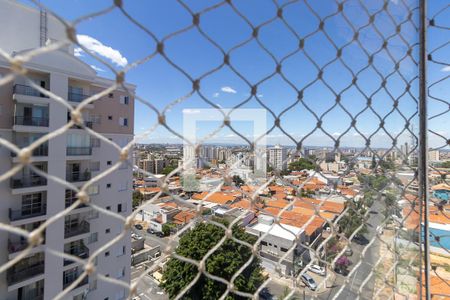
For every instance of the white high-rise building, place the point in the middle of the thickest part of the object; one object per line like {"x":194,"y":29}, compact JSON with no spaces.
{"x":277,"y":158}
{"x":433,"y":155}
{"x":28,"y":200}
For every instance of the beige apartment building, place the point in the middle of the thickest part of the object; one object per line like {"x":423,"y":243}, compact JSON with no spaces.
{"x":28,"y":199}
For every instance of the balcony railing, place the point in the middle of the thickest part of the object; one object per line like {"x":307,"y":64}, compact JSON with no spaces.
{"x":16,"y":246}
{"x":82,"y":252}
{"x":78,"y":176}
{"x":70,"y":201}
{"x":14,"y":276}
{"x":79,"y":150}
{"x":27,"y":91}
{"x":75,"y":97}
{"x":42,"y":150}
{"x":83,"y":227}
{"x":31,"y":121}
{"x":34,"y":294}
{"x":30,"y":181}
{"x":21,"y":214}
{"x":88,"y":124}
{"x":69,"y":282}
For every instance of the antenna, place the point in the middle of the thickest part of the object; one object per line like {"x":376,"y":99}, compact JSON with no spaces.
{"x":43,"y":27}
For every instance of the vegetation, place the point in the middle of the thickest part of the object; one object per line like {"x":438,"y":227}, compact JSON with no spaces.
{"x":302,"y":164}
{"x":137,"y":199}
{"x":353,"y":219}
{"x":223,"y":263}
{"x":166,"y":228}
{"x":445,"y":164}
{"x":167,"y":170}
{"x":238,"y":180}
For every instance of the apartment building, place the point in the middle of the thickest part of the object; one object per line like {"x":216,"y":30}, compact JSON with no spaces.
{"x":277,"y":157}
{"x":29,"y":199}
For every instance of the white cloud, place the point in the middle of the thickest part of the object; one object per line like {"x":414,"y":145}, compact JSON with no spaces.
{"x":215,"y":95}
{"x":95,"y":46}
{"x":260,"y":95}
{"x":78,"y":52}
{"x":228,"y":89}
{"x":446,"y":69}
{"x":97,"y":68}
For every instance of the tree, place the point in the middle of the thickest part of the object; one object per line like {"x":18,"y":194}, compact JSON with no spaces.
{"x":137,"y":198}
{"x":353,"y":219}
{"x":301,"y":164}
{"x":224,"y":262}
{"x":238,"y":180}
{"x":167,"y":170}
{"x":342,"y":262}
{"x":166,"y":229}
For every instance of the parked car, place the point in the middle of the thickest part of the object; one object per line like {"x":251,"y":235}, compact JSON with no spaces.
{"x":151,"y":231}
{"x":309,"y":282}
{"x":348,"y":252}
{"x":360,"y":240}
{"x":342,"y":271}
{"x":138,"y":227}
{"x":317,"y":269}
{"x":160,"y":234}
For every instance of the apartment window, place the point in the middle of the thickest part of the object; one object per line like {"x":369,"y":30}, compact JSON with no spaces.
{"x":108,"y":185}
{"x":108,"y":207}
{"x":93,"y":238}
{"x":108,"y":163}
{"x":124,"y":100}
{"x":110,"y":95}
{"x":284,"y":249}
{"x":119,"y":208}
{"x":93,"y":285}
{"x":109,"y":117}
{"x":123,"y":186}
{"x":264,"y":243}
{"x":121,"y":273}
{"x":94,"y":166}
{"x":95,"y":142}
{"x":32,"y":203}
{"x":93,"y":189}
{"x":108,"y":230}
{"x":106,"y":253}
{"x":123,"y":121}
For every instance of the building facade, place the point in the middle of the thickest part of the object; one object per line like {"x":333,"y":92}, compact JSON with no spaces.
{"x":28,"y":199}
{"x":277,"y":158}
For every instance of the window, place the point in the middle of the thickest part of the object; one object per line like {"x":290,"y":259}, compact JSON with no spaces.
{"x":93,"y":285}
{"x":124,"y":100}
{"x":108,"y":185}
{"x":106,"y":253}
{"x":284,"y":249}
{"x":123,"y":121}
{"x":108,"y":207}
{"x":109,"y":117}
{"x":264,"y":243}
{"x":123,"y":186}
{"x":93,"y":238}
{"x":95,"y":142}
{"x":96,"y":119}
{"x":93,"y":189}
{"x":110,"y":95}
{"x":32,"y":203}
{"x":94,"y":166}
{"x":108,"y":230}
{"x":121,"y":273}
{"x":119,"y":208}
{"x":108,"y":163}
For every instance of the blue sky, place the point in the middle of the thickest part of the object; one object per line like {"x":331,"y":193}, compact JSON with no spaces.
{"x":119,"y":41}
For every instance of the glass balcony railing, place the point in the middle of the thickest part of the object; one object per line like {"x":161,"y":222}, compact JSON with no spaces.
{"x":81,"y":252}
{"x":31,"y":121}
{"x":29,"y":181}
{"x":68,"y":282}
{"x":16,"y":275}
{"x":78,"y":150}
{"x":78,"y":176}
{"x":42,"y":150}
{"x":27,"y":91}
{"x":76,"y":97}
{"x":21,"y":214}
{"x":81,"y":228}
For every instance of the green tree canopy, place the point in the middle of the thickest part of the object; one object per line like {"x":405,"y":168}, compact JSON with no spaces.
{"x":225,"y":262}
{"x":301,"y":164}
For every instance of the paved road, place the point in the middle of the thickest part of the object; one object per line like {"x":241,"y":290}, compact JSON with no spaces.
{"x":147,"y":287}
{"x":350,"y":291}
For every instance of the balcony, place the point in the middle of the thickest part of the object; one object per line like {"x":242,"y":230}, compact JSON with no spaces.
{"x":81,"y":252}
{"x":76,"y":97}
{"x":14,"y":276}
{"x":29,"y":181}
{"x":16,"y":246}
{"x":88,"y":124}
{"x":81,"y":228}
{"x":42,"y":150}
{"x":78,"y":177}
{"x":27,"y":91}
{"x":21,"y":214}
{"x":31,"y":121}
{"x":68,"y":282}
{"x":75,"y":151}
